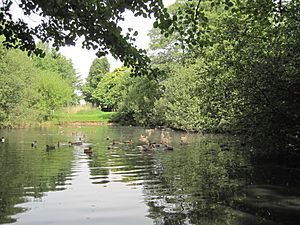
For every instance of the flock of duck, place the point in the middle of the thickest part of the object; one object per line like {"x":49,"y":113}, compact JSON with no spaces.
{"x":87,"y":149}
{"x":145,"y":143}
{"x":164,"y":143}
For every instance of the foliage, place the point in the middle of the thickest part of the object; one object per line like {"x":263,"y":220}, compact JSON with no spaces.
{"x":98,"y":69}
{"x":17,"y":90}
{"x":240,"y":74}
{"x":266,"y":71}
{"x":96,"y":21}
{"x":57,"y":63}
{"x":28,"y":92}
{"x":226,"y":65}
{"x":138,"y":103}
{"x":110,"y":90}
{"x":54,"y":93}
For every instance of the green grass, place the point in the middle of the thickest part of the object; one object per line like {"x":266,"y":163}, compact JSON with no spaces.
{"x":83,"y":115}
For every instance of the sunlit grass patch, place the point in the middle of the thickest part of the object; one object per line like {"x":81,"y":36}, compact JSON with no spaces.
{"x":84,"y":114}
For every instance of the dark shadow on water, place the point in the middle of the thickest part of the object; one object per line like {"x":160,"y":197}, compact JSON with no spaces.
{"x":275,"y":203}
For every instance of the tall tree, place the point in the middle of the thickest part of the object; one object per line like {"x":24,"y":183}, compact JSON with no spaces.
{"x":30,"y":91}
{"x":111,"y":90}
{"x":98,"y":69}
{"x":18,"y":93}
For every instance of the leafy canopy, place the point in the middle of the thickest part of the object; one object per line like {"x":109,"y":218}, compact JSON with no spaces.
{"x":63,"y":22}
{"x":98,"y":69}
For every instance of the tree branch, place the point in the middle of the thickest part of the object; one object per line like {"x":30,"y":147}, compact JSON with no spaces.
{"x":196,"y":10}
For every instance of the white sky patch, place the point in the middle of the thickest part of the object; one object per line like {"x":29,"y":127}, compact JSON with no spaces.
{"x":82,"y":58}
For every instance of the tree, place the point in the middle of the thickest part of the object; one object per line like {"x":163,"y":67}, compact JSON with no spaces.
{"x":30,"y":91}
{"x":98,"y":69}
{"x":139,"y":98}
{"x":57,"y":63}
{"x":17,"y":90}
{"x":110,"y":91}
{"x":96,"y":21}
{"x":54,"y":93}
{"x":249,"y":77}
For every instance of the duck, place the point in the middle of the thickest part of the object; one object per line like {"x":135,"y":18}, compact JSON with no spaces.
{"x":143,"y":148}
{"x":112,"y":147}
{"x":183,"y":140}
{"x":88,"y":150}
{"x":60,"y":144}
{"x":144,"y":139}
{"x":2,"y":140}
{"x":75,"y":143}
{"x":149,"y":132}
{"x":168,"y":148}
{"x":128,"y":142}
{"x":34,"y":144}
{"x":50,"y":147}
{"x":165,"y":138}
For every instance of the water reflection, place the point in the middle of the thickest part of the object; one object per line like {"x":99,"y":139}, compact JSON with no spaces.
{"x":28,"y":173}
{"x":209,"y":181}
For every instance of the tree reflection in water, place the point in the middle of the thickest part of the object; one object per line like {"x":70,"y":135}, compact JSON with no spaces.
{"x":197,"y":185}
{"x":210,"y":181}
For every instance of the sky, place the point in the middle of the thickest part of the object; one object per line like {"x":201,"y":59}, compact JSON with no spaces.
{"x":82,"y":58}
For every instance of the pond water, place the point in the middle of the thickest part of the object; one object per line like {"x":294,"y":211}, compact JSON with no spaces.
{"x":209,"y":181}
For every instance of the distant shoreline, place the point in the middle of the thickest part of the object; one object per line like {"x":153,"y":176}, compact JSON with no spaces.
{"x":86,"y":123}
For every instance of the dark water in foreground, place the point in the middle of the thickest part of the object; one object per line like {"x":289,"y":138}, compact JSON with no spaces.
{"x":210,"y":181}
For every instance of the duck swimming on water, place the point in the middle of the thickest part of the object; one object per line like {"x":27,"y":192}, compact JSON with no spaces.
{"x":34,"y":144}
{"x":88,"y":150}
{"x":50,"y":147}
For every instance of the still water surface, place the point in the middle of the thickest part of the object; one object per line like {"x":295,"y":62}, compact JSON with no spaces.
{"x":210,"y":181}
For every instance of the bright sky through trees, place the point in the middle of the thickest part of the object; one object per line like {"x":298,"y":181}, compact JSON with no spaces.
{"x":82,"y":58}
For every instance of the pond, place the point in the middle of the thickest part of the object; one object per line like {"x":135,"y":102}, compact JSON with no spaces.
{"x":209,"y":181}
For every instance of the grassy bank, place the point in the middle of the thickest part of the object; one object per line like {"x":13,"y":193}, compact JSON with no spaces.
{"x":82,"y":114}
